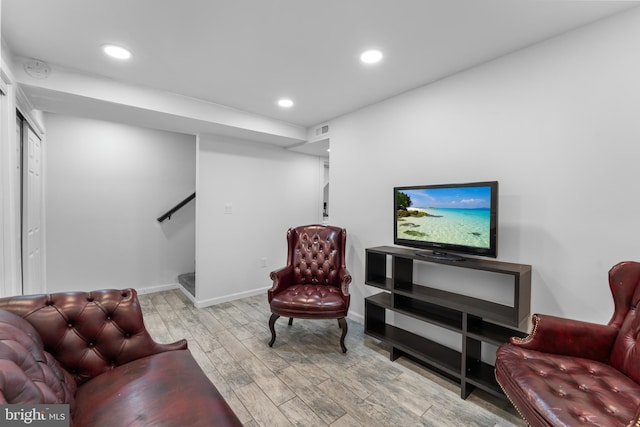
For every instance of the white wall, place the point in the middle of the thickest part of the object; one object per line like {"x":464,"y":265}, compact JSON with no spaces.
{"x":556,"y":124}
{"x":249,"y":194}
{"x":106,"y":184}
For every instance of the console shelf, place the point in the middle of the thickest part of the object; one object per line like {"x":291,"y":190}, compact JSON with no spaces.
{"x":476,"y":320}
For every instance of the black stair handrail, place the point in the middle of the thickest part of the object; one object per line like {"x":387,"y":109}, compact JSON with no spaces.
{"x":177,"y":207}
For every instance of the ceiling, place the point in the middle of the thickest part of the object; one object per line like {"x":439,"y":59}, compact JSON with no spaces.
{"x":245,"y":54}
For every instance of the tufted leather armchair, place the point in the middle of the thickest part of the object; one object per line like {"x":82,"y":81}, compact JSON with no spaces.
{"x":91,"y":350}
{"x":315,"y":282}
{"x":569,"y":372}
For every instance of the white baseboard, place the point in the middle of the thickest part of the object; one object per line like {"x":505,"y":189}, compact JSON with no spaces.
{"x":187,"y":294}
{"x":158,"y":288}
{"x":207,"y":302}
{"x":230,"y":297}
{"x":356,"y":317}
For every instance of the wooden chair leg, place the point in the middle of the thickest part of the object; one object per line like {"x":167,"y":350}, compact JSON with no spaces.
{"x":343,"y":325}
{"x":290,"y":321}
{"x":272,"y":322}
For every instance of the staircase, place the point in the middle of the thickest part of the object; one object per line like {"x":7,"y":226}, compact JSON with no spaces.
{"x":188,"y":281}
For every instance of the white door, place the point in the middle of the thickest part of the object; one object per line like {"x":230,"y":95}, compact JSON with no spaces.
{"x":32,"y":282}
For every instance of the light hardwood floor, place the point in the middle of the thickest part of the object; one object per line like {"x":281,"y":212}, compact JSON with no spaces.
{"x":305,"y":380}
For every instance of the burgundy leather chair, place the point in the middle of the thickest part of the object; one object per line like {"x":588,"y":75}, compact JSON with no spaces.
{"x":315,"y":282}
{"x":569,"y":372}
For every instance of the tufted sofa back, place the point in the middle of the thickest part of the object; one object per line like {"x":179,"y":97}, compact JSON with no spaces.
{"x":316,"y":253}
{"x":624,"y":279}
{"x":87,"y":332}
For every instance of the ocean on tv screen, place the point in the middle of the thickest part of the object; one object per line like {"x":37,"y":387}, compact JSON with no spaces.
{"x":458,"y":216}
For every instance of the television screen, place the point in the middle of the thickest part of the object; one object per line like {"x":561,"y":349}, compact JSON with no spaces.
{"x":457,"y":218}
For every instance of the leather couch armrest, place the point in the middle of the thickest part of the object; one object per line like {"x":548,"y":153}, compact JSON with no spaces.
{"x":569,"y":337}
{"x":281,"y":281}
{"x":89,"y":332}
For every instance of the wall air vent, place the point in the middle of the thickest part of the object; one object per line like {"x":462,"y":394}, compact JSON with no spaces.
{"x":321,"y":130}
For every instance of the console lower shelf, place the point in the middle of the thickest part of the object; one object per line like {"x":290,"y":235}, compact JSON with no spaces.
{"x":432,"y":353}
{"x":478,"y":322}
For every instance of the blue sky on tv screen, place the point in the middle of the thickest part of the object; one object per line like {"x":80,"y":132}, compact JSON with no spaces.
{"x":458,"y":198}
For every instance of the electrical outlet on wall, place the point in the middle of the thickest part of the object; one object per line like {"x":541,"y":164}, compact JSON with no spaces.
{"x":263,"y":262}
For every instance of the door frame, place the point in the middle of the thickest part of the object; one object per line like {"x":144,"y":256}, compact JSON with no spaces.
{"x":32,"y":218}
{"x":14,"y":101}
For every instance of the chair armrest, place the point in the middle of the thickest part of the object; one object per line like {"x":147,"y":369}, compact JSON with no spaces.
{"x":345,"y":279}
{"x":569,"y":337}
{"x":89,"y":332}
{"x":281,"y":281}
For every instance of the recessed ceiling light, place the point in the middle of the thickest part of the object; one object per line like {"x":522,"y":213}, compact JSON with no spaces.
{"x":116,"y":51}
{"x":285,"y":103}
{"x":371,"y":56}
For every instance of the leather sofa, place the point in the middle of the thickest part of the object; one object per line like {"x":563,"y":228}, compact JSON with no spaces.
{"x":572,"y":373}
{"x":93,"y":352}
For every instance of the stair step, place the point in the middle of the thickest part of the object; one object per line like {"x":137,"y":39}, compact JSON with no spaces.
{"x":188,"y":281}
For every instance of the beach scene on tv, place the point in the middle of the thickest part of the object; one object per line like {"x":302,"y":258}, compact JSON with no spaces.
{"x":459,"y":216}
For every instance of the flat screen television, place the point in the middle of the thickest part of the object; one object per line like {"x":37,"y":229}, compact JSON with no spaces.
{"x":448,"y":219}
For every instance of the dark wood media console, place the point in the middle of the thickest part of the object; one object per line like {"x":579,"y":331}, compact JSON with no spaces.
{"x":477,"y":321}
